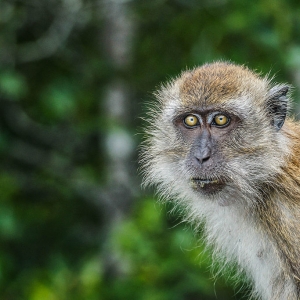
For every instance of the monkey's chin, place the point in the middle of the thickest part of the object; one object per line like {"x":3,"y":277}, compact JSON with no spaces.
{"x":207,"y":186}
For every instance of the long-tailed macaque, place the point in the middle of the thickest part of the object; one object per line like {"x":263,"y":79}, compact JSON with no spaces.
{"x":220,"y":144}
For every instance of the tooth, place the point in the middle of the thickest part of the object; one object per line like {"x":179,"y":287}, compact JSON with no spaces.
{"x":202,"y":184}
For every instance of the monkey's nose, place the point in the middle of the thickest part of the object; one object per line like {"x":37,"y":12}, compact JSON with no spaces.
{"x":203,"y":156}
{"x":203,"y":159}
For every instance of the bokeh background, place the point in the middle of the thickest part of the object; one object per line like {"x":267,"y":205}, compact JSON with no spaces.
{"x":75,"y":80}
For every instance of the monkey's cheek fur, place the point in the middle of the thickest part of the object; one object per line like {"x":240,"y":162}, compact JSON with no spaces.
{"x":207,"y":186}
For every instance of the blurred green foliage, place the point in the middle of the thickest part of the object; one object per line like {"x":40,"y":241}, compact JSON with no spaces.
{"x":157,"y":265}
{"x":68,"y":228}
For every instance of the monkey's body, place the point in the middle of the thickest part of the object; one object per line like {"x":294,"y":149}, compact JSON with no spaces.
{"x":217,"y":145}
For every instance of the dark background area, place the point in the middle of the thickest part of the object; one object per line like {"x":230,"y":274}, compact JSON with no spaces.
{"x":75,"y":80}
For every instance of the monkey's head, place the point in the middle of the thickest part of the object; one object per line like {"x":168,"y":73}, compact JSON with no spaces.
{"x":216,"y":132}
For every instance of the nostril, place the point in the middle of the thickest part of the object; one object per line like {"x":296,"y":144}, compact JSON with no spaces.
{"x":205,"y":159}
{"x":202,"y":160}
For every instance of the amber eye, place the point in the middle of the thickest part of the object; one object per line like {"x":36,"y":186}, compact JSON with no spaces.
{"x":221,"y":120}
{"x":191,"y":120}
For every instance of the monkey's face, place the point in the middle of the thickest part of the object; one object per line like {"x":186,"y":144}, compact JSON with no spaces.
{"x":215,"y":133}
{"x":204,"y":131}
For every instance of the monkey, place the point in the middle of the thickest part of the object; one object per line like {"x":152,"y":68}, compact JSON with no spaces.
{"x":221,"y":144}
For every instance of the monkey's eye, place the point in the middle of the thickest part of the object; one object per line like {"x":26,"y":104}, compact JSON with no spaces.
{"x":191,"y":120}
{"x":221,"y":120}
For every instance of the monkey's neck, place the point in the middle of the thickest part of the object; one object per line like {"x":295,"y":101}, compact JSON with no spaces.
{"x":279,"y":213}
{"x":279,"y":220}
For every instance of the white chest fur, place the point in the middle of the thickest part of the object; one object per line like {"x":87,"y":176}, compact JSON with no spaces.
{"x":236,"y":238}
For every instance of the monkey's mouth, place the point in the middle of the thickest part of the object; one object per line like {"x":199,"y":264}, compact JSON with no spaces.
{"x":207,"y":186}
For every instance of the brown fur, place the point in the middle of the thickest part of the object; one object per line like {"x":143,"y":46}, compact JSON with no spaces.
{"x":214,"y":84}
{"x":281,"y":218}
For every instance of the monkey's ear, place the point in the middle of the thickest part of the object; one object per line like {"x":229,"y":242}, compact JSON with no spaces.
{"x":278,"y":105}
